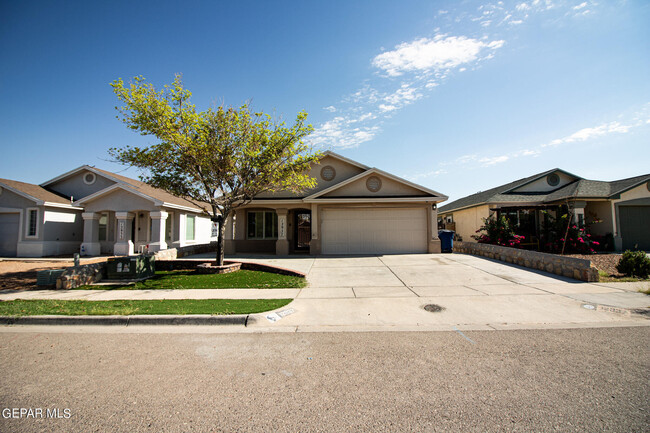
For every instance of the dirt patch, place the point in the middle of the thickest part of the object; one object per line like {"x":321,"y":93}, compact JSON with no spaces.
{"x":602,"y":262}
{"x":21,"y":275}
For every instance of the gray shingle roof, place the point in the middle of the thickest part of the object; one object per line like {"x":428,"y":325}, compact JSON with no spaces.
{"x":578,"y":189}
{"x":149,"y":190}
{"x":35,"y":191}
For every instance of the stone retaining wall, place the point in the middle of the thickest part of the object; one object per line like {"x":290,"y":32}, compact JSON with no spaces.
{"x":177,"y":253}
{"x":74,"y":277}
{"x":570,"y":267}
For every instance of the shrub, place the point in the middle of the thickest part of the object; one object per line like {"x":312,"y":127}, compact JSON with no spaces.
{"x":497,"y":231}
{"x":634,"y":264}
{"x":577,"y":240}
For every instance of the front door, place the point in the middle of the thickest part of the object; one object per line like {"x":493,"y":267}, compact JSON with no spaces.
{"x":303,"y":230}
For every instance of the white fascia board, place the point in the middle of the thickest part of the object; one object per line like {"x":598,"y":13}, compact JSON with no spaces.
{"x":62,"y":205}
{"x":284,"y":202}
{"x":181,"y":207}
{"x":112,"y":188}
{"x":374,"y":200}
{"x":22,"y":194}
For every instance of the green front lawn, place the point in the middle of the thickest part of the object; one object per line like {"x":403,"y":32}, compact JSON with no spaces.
{"x":189,"y":280}
{"x":38,"y":307}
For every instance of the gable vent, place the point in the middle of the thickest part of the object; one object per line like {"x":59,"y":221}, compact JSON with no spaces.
{"x":553,"y":179}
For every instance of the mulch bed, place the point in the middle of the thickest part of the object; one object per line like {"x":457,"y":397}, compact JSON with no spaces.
{"x":21,"y":275}
{"x":602,"y":262}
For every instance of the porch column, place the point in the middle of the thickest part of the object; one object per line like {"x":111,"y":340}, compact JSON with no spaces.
{"x":124,"y":244}
{"x":91,"y":245}
{"x":314,"y":245}
{"x":158,"y":220}
{"x":229,"y":235}
{"x":434,"y":245}
{"x":579,"y":212}
{"x":282,"y":244}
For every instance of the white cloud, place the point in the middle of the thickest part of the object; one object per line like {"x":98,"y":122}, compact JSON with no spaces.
{"x":331,"y":109}
{"x":580,"y":6}
{"x":523,"y":7}
{"x":441,"y":52}
{"x":338,"y":133}
{"x":487,"y":161}
{"x":588,"y":133}
{"x":386,"y":108}
{"x":403,"y":96}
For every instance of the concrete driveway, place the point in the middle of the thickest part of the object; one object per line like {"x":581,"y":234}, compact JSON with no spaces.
{"x":366,"y":293}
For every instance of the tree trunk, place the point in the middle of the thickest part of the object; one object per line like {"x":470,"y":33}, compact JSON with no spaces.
{"x":220,"y":240}
{"x":220,"y":246}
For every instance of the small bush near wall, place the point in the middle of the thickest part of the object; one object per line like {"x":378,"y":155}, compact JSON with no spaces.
{"x":634,"y":264}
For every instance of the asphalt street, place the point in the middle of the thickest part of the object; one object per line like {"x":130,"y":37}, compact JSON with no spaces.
{"x":579,"y":380}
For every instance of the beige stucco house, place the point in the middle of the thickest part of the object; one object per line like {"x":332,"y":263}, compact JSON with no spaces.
{"x":354,"y":209}
{"x":620,"y":208}
{"x":95,"y":212}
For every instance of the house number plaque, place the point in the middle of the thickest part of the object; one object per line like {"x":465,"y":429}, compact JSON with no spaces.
{"x":120,"y":230}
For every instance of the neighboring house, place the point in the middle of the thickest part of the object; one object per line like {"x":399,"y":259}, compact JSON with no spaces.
{"x":620,"y":208}
{"x":354,"y":209}
{"x":35,"y":222}
{"x":95,"y":212}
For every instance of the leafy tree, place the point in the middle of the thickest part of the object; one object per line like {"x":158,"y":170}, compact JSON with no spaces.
{"x":218,"y":159}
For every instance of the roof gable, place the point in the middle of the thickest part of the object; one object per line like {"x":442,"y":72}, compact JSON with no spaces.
{"x":80,"y":182}
{"x":333,"y":164}
{"x":362,"y":186}
{"x":72,"y":184}
{"x":545,"y":182}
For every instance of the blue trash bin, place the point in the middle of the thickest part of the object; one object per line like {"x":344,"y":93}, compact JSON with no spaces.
{"x":446,"y":240}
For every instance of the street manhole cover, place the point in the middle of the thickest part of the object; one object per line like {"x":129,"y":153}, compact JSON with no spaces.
{"x":433,"y":308}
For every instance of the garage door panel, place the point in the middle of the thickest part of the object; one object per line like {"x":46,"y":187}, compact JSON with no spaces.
{"x":9,"y":227}
{"x":635,"y":227}
{"x":373,"y":231}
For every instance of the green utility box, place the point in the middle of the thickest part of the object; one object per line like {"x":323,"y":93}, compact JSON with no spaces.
{"x":130,"y":267}
{"x":48,"y":277}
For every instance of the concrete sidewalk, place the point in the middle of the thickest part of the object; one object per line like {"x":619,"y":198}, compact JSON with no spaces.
{"x":389,"y":293}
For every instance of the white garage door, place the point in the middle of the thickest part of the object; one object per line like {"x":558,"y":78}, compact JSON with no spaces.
{"x":8,"y":234}
{"x":373,"y":231}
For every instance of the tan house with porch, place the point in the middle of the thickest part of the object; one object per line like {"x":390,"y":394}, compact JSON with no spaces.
{"x":354,"y":209}
{"x":620,"y":208}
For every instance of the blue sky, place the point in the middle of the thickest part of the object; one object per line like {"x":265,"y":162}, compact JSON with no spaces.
{"x":458,"y":96}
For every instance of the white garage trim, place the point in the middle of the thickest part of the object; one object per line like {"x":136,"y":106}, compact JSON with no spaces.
{"x":374,"y":230}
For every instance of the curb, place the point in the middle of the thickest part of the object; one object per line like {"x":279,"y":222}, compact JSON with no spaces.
{"x":198,"y":319}
{"x":619,"y":310}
